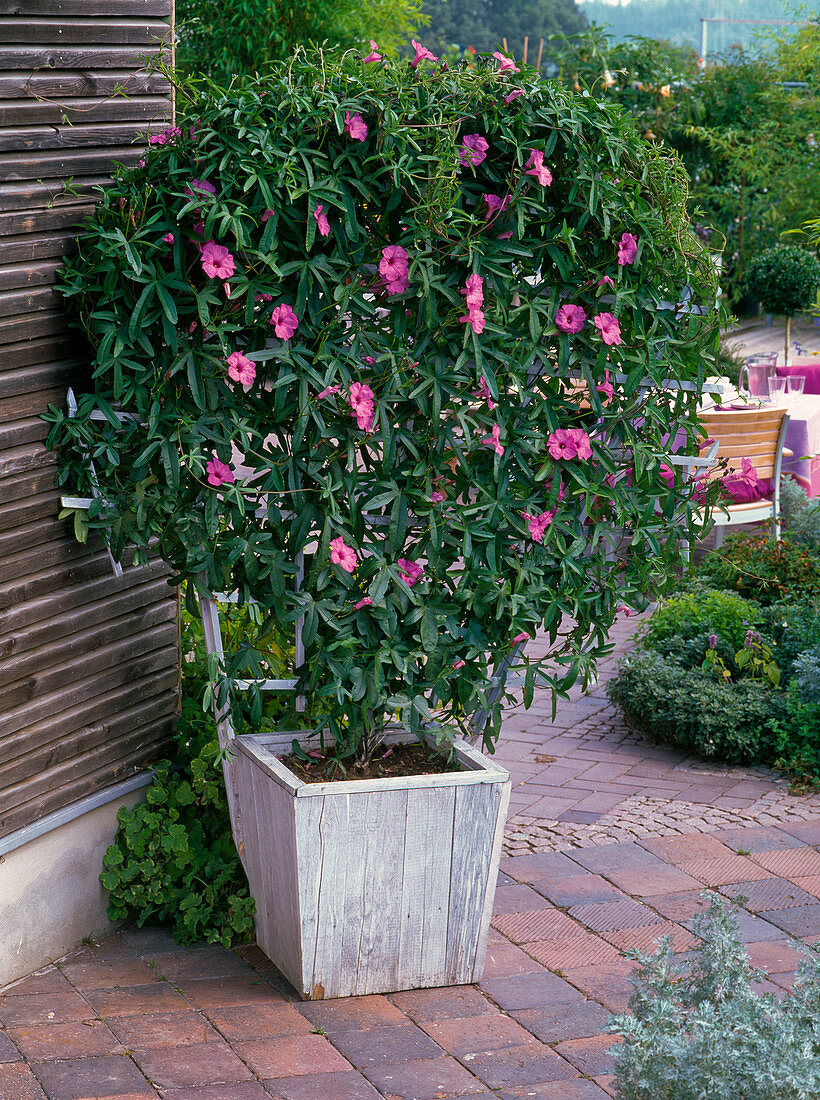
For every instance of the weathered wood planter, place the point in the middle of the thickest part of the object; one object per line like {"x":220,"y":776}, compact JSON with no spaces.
{"x":368,"y":886}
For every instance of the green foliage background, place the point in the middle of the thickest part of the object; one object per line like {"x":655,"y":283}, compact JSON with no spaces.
{"x":483,"y":24}
{"x":228,"y":38}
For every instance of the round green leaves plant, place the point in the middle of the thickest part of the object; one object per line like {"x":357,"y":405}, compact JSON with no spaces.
{"x":409,"y":327}
{"x":785,"y":280}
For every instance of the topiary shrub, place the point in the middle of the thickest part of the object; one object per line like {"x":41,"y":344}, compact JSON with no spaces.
{"x":396,"y":319}
{"x":702,"y":1029}
{"x":693,"y":710}
{"x":785,"y":279}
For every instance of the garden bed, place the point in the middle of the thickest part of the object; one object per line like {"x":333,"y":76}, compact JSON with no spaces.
{"x":730,"y":667}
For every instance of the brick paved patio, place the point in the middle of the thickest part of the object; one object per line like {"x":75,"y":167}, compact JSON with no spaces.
{"x":138,"y":1016}
{"x":611,"y":843}
{"x":585,"y":778}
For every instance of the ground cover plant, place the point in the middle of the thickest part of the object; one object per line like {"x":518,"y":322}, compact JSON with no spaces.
{"x":702,"y":1029}
{"x":395,"y":320}
{"x":173,"y":861}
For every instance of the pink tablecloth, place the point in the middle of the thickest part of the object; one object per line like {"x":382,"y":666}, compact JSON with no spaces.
{"x":803,"y":439}
{"x":809,"y":369}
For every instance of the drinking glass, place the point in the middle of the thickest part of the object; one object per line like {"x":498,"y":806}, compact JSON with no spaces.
{"x":777,"y":388}
{"x":795,"y":383}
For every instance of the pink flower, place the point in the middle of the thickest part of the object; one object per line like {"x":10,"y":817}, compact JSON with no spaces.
{"x":373,"y":55}
{"x":410,"y":571}
{"x":538,"y":524}
{"x":198,"y":227}
{"x":356,"y":126}
{"x":328,"y":391}
{"x":605,"y":281}
{"x":362,"y":405}
{"x":505,"y":236}
{"x":365,"y":601}
{"x":474,"y":291}
{"x":262,"y":297}
{"x":627,"y":249}
{"x":218,"y":473}
{"x":227,"y":288}
{"x":608,"y":326}
{"x":241,"y":369}
{"x":165,"y":136}
{"x":267,"y":214}
{"x":394,"y":268}
{"x":561,"y":444}
{"x":284,"y":321}
{"x":496,"y":205}
{"x":506,"y":64}
{"x":141,"y":162}
{"x":217,"y":262}
{"x":570,"y":319}
{"x":626,"y":610}
{"x":535,"y":167}
{"x":422,"y":54}
{"x":169,"y":238}
{"x":476,"y":318}
{"x":583,"y":447}
{"x":513,"y":95}
{"x":458,"y":664}
{"x":494,"y":440}
{"x":437,"y":497}
{"x":368,"y":359}
{"x":197,"y":188}
{"x":484,"y":391}
{"x":606,"y":389}
{"x":473,"y":150}
{"x":522,"y":637}
{"x":321,"y":221}
{"x":343,"y":555}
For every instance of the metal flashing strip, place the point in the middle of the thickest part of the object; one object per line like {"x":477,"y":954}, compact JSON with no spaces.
{"x":77,"y":809}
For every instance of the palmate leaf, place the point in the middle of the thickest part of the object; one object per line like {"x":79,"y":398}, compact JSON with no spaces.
{"x":426,"y":486}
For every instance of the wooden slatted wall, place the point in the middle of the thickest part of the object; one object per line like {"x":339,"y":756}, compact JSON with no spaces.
{"x":88,"y":662}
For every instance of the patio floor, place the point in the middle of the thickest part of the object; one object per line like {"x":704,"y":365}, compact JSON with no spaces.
{"x":610,"y":843}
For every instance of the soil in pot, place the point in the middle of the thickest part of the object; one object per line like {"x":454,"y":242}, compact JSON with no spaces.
{"x":411,"y":758}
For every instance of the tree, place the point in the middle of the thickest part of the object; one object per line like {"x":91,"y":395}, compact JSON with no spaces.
{"x":786,"y":280}
{"x":224,"y":38}
{"x":483,"y":24}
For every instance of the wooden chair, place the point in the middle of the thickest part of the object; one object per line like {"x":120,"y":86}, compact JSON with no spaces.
{"x":759,"y":435}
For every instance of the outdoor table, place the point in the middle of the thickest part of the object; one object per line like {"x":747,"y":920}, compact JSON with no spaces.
{"x":803,"y":440}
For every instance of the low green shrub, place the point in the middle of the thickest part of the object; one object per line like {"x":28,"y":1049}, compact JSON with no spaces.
{"x":797,"y":733}
{"x":701,"y":612}
{"x":799,"y":514}
{"x":697,"y":711}
{"x":761,"y":569}
{"x":173,"y":861}
{"x":705,"y":1032}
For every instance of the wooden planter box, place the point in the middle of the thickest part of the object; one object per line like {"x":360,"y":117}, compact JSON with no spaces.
{"x":374,"y":885}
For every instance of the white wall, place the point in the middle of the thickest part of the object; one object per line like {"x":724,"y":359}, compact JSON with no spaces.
{"x":50,"y":892}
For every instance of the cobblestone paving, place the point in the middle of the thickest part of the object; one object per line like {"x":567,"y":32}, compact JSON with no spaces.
{"x":584,"y":778}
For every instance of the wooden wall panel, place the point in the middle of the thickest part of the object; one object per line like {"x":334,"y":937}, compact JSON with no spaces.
{"x":88,"y":662}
